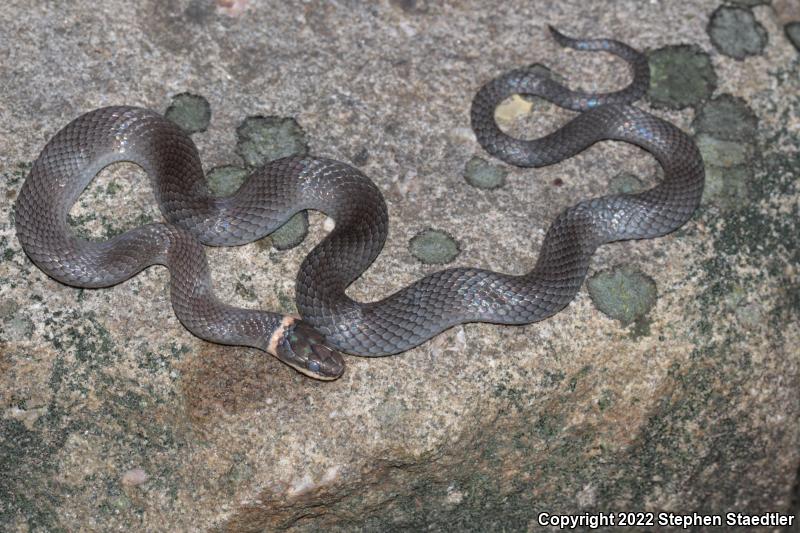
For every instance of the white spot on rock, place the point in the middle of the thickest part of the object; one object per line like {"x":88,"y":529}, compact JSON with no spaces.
{"x":232,"y":8}
{"x":586,"y":497}
{"x":330,"y":474}
{"x":134,"y":477}
{"x":454,"y":496}
{"x":26,"y":416}
{"x":301,"y":485}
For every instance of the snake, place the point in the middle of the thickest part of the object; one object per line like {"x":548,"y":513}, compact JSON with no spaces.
{"x":330,"y":323}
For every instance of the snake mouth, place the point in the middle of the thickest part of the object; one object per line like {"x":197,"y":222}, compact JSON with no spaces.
{"x":304,"y":349}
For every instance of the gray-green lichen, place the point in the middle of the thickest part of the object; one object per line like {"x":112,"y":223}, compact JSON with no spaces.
{"x":721,"y":153}
{"x":263,"y":139}
{"x":15,"y":322}
{"x":623,"y":293}
{"x":680,"y":76}
{"x":727,"y":118}
{"x":735,"y":32}
{"x":626,"y":183}
{"x":191,"y":112}
{"x":728,"y":187}
{"x":433,"y":247}
{"x":291,"y":233}
{"x":481,"y":174}
{"x":726,"y":128}
{"x":226,"y":179}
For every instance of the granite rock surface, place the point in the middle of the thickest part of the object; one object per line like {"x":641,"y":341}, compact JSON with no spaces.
{"x":114,"y":418}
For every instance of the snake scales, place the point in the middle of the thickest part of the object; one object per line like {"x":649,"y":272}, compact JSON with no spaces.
{"x":331,"y":321}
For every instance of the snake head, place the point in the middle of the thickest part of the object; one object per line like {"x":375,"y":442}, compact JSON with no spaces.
{"x":304,"y":349}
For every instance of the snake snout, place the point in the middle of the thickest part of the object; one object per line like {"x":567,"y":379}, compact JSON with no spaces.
{"x":304,"y":349}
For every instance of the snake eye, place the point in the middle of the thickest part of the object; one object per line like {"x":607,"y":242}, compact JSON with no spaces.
{"x":313,"y":366}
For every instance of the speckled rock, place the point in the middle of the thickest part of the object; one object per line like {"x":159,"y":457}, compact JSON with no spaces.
{"x":115,"y":418}
{"x":736,"y":33}
{"x":680,"y":76}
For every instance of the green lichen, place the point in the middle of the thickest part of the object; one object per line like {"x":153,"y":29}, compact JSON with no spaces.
{"x":582,"y":373}
{"x":79,"y":223}
{"x":240,"y":472}
{"x":728,"y":188}
{"x":552,"y":378}
{"x":18,"y":326}
{"x":434,"y":247}
{"x":8,"y":251}
{"x":113,"y":227}
{"x":606,"y":400}
{"x":291,"y":233}
{"x":29,"y":458}
{"x":109,"y":225}
{"x":720,"y":153}
{"x":191,"y":112}
{"x":623,"y":293}
{"x":752,"y":233}
{"x":640,"y":328}
{"x":244,"y":287}
{"x":757,"y":233}
{"x":262,"y":139}
{"x":625,"y":183}
{"x":27,"y":486}
{"x":727,"y":118}
{"x":735,"y":32}
{"x":481,"y":174}
{"x":113,"y":188}
{"x":19,"y":172}
{"x":680,"y":76}
{"x":157,"y":361}
{"x":225,"y":180}
{"x":726,"y":129}
{"x":286,"y":303}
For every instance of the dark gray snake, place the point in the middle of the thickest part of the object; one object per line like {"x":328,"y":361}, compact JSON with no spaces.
{"x":331,"y":321}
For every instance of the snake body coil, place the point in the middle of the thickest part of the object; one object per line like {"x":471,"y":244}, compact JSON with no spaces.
{"x":272,"y":194}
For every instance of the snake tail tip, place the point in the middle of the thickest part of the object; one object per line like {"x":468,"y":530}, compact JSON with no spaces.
{"x":561,"y":38}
